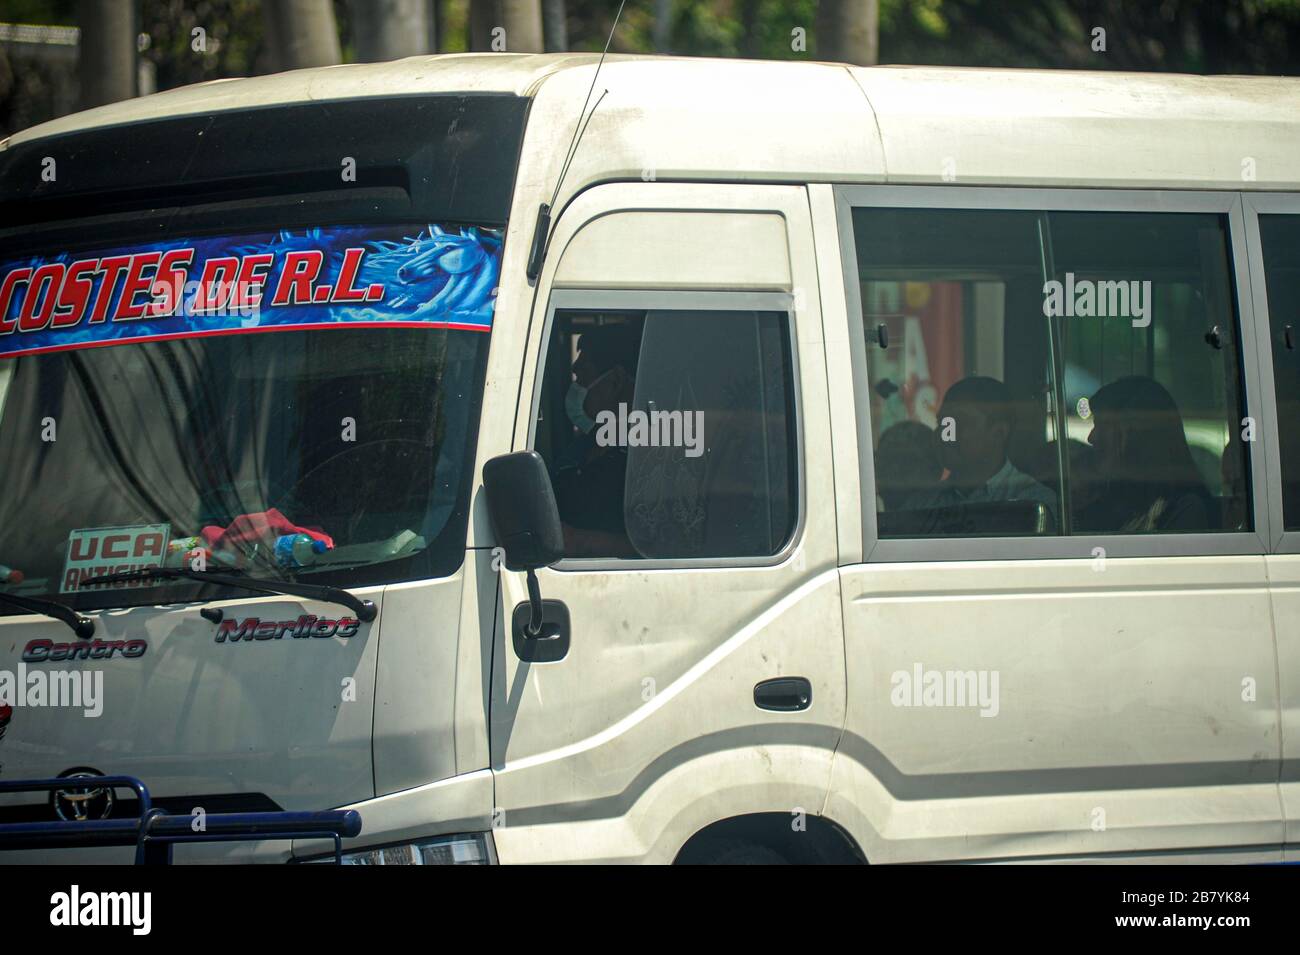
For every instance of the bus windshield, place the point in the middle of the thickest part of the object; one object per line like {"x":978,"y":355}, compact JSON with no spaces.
{"x":301,"y":404}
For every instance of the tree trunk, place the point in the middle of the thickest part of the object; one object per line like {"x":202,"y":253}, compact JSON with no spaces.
{"x":304,"y":33}
{"x":106,"y":61}
{"x":520,"y":19}
{"x":484,"y":16}
{"x":435,"y":25}
{"x":663,"y":32}
{"x":390,"y":29}
{"x":554,"y":26}
{"x":749,"y":22}
{"x":523,"y":22}
{"x":847,"y":31}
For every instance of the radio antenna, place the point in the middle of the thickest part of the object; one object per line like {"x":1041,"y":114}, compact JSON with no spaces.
{"x":542,"y":229}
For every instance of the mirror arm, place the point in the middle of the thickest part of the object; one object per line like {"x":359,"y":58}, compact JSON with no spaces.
{"x":534,"y":604}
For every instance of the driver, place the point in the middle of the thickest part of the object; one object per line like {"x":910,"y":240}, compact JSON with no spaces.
{"x":589,"y":478}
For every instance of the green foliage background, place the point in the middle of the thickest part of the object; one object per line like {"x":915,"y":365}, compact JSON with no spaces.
{"x":1193,"y":36}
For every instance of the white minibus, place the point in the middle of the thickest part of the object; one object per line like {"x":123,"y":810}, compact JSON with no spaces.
{"x":527,"y":459}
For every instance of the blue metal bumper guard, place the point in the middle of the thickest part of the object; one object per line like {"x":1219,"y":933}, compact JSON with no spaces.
{"x":154,"y":831}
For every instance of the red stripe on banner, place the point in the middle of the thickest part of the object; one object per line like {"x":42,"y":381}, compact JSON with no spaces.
{"x":77,"y":346}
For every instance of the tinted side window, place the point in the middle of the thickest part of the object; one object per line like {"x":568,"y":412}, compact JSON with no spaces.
{"x":1046,"y":373}
{"x":671,"y":434}
{"x":1152,"y":376}
{"x":958,"y":360}
{"x":1280,"y":235}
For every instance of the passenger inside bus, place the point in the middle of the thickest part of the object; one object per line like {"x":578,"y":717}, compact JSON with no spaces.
{"x":589,"y":479}
{"x":908,"y":466}
{"x":1149,"y":480}
{"x":976,"y":421}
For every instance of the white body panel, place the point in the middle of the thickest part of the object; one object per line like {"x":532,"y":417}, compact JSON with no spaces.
{"x":1110,"y":732}
{"x":279,"y":719}
{"x":1284,"y":578}
{"x":660,"y":653}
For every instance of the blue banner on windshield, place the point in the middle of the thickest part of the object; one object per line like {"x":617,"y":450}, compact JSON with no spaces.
{"x":328,"y":277}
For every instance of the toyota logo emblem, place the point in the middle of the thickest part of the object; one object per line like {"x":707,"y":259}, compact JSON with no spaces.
{"x":83,"y":803}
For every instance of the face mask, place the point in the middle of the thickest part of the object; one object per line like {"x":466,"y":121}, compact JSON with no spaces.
{"x":574,"y":399}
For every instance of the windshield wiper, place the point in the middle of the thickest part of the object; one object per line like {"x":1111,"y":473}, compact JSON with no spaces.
{"x":83,"y":627}
{"x":364,"y":609}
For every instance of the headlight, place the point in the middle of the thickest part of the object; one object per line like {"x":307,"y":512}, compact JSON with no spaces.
{"x":471,"y":848}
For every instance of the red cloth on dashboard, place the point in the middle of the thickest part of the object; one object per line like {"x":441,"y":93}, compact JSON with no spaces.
{"x":260,"y":528}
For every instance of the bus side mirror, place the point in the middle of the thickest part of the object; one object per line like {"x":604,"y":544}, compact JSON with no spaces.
{"x":521,"y":503}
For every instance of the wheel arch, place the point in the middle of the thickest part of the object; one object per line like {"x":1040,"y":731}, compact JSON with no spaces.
{"x":800,"y":838}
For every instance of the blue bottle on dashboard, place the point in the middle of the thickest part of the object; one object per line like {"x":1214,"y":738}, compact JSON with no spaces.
{"x":297,"y":550}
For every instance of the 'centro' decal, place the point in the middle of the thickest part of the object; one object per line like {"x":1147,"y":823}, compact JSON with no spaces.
{"x":47,"y":651}
{"x":254,"y":628}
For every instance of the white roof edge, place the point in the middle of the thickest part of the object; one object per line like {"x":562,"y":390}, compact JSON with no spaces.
{"x":700,"y":118}
{"x":1089,"y":128}
{"x":516,"y":73}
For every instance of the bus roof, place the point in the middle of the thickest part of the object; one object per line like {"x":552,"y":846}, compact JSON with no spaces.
{"x":784,"y":121}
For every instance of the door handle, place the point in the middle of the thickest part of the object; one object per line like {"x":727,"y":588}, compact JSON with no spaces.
{"x":785,"y":694}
